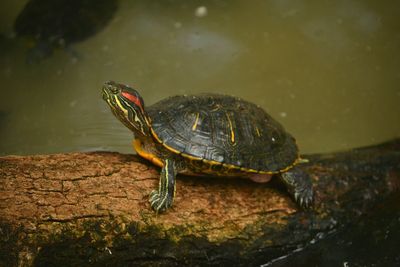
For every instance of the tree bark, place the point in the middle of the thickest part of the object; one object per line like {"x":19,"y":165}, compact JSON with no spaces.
{"x":84,"y":209}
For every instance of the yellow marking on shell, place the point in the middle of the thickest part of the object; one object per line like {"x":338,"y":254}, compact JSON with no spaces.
{"x":211,"y":162}
{"x":190,"y":157}
{"x":298,"y":160}
{"x":268,"y":172}
{"x":161,"y":142}
{"x":195,"y":122}
{"x":137,"y":145}
{"x":231,"y":128}
{"x":155,"y":136}
{"x":230,"y":166}
{"x":258,"y":132}
{"x":248,"y":170}
{"x":158,"y":162}
{"x":288,"y":167}
{"x":171,"y":149}
{"x":216,"y":107}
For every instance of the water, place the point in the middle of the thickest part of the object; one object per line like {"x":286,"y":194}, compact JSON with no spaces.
{"x":369,"y":243}
{"x":328,"y":71}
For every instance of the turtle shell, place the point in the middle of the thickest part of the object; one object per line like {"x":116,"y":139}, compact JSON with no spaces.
{"x":223,"y":129}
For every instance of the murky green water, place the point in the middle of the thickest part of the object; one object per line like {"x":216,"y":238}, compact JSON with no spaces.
{"x":328,"y":71}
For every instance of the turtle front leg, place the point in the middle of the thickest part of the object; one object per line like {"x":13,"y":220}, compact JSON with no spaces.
{"x":299,"y":186}
{"x":162,"y":198}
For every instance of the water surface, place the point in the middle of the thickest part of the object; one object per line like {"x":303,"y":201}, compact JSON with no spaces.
{"x":328,"y":71}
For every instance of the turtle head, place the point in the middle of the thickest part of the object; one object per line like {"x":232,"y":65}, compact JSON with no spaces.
{"x":128,"y":106}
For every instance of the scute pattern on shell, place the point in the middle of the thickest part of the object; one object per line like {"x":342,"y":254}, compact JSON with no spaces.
{"x":223,"y":129}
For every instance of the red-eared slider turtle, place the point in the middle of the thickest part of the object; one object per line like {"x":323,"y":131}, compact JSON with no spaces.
{"x":208,"y":134}
{"x":55,"y":24}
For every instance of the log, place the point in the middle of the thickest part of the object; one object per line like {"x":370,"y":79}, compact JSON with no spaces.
{"x":82,"y":209}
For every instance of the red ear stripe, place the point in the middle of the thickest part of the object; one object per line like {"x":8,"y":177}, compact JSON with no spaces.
{"x":132,"y":98}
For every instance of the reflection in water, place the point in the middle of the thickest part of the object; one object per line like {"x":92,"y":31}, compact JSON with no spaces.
{"x":54,"y":24}
{"x":363,"y":20}
{"x":327,"y":71}
{"x":371,"y":242}
{"x":212,"y":51}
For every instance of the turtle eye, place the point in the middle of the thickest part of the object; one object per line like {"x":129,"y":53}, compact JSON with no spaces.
{"x":114,"y":89}
{"x":111,"y":87}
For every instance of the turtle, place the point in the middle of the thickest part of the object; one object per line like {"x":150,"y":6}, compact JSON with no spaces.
{"x":52,"y":24}
{"x":208,"y":135}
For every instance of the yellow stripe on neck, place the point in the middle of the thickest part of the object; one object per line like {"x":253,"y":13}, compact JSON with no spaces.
{"x":121,"y":106}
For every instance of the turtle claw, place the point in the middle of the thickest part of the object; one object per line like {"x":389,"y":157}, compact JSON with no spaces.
{"x":296,"y":197}
{"x":304,"y":197}
{"x":161,"y":199}
{"x":153,"y":196}
{"x":300,"y":186}
{"x":159,"y":202}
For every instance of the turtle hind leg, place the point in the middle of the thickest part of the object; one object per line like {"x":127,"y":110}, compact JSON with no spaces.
{"x":162,"y":198}
{"x":299,"y":186}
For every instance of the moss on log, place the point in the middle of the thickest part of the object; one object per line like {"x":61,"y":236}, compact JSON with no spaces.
{"x":83,"y":209}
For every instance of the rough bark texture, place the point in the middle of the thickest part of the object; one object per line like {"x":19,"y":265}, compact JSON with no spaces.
{"x":83,"y":209}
